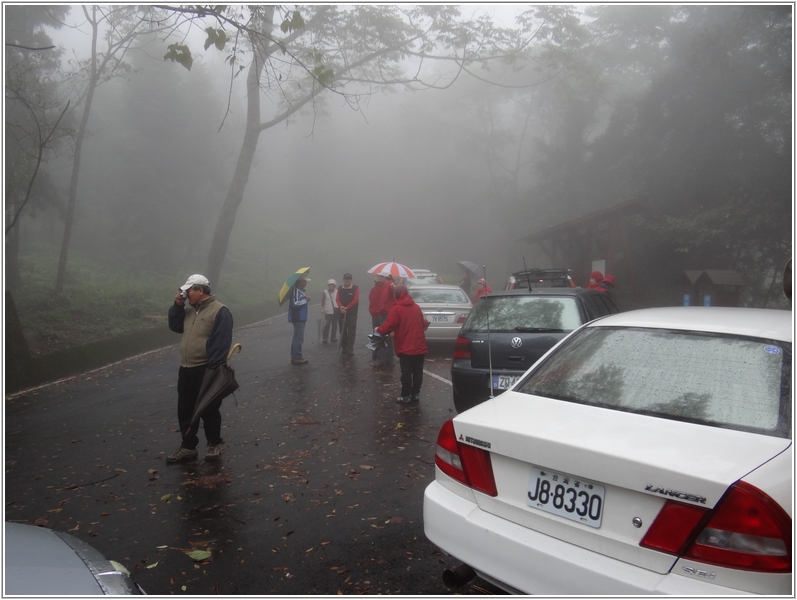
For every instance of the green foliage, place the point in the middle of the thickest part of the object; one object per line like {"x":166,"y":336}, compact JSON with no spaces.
{"x":294,"y":23}
{"x":102,"y":302}
{"x":180,"y":53}
{"x":216,"y":37}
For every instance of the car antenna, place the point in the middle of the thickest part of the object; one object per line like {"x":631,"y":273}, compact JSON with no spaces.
{"x":489,"y":348}
{"x":526,"y":269}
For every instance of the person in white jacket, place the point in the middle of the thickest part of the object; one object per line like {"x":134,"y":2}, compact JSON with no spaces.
{"x":331,"y":312}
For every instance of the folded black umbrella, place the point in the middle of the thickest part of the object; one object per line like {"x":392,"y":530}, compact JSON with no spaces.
{"x":217,"y":384}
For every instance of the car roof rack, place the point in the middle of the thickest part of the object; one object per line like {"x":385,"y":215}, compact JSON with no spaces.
{"x":543,"y":273}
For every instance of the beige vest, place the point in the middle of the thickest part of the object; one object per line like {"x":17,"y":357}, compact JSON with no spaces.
{"x":197,"y":327}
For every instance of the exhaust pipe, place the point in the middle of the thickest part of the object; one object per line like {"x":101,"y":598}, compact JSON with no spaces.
{"x":458,"y":577}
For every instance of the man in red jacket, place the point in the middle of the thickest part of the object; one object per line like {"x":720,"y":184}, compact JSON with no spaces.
{"x":380,"y":301}
{"x":407,"y":323}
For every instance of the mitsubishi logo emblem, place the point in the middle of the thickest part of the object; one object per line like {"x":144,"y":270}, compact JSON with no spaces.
{"x":516,"y":342}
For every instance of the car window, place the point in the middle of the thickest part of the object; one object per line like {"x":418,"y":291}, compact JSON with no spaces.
{"x":725,"y":381}
{"x":605,"y":306}
{"x":427,"y":296}
{"x":514,"y":313}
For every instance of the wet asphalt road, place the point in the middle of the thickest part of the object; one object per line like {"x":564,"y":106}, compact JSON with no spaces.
{"x":319,"y":489}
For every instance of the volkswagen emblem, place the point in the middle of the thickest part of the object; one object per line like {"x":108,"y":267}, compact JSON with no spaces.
{"x":516,"y":342}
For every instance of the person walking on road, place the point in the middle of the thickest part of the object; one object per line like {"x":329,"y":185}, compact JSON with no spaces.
{"x":206,"y":329}
{"x":482,"y":289}
{"x":407,"y":323}
{"x":330,"y":311}
{"x":348,"y":300}
{"x":380,"y":301}
{"x":297,"y":314}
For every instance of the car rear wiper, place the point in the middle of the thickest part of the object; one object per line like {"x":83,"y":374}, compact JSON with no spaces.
{"x":539,"y":330}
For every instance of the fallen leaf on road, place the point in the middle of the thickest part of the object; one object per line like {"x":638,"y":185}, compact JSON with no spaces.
{"x":199,"y":555}
{"x":366,"y":467}
{"x":153,"y":565}
{"x":165,"y":497}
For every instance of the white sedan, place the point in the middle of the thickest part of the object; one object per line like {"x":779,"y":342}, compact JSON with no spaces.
{"x":648,"y":452}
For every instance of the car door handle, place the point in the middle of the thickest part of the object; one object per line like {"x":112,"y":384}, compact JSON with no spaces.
{"x":517,"y":358}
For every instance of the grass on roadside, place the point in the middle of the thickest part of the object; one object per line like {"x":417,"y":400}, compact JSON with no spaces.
{"x":98,"y":302}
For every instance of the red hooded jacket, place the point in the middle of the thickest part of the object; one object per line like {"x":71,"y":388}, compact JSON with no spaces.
{"x":375,"y":299}
{"x":407,"y":321}
{"x":482,"y":291}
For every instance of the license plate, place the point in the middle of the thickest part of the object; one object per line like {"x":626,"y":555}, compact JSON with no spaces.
{"x":569,"y":497}
{"x":441,"y":318}
{"x":504,"y":382}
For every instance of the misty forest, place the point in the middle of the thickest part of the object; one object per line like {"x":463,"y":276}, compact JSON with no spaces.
{"x":147,"y":143}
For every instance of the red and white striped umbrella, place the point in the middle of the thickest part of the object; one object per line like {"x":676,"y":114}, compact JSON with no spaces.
{"x":393,"y":268}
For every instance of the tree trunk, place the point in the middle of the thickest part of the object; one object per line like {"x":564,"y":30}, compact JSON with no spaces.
{"x":13,"y":277}
{"x":70,"y":207}
{"x":235,"y":195}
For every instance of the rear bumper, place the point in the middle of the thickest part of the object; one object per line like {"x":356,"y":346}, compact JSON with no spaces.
{"x":533,"y":563}
{"x":449,"y":332}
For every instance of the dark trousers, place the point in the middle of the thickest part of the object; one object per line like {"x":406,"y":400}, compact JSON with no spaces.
{"x":384,"y":354}
{"x":189,"y":380}
{"x":348,"y":331}
{"x":331,"y":324}
{"x":411,"y":374}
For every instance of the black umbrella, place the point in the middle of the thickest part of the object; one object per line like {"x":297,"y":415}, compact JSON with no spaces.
{"x":216,"y":384}
{"x":471,"y":268}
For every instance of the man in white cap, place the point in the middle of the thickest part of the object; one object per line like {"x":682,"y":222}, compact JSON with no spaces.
{"x":330,"y":310}
{"x":206,"y":329}
{"x":297,"y":314}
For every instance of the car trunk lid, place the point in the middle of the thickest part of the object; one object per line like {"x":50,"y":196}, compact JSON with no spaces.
{"x":633,"y":463}
{"x":513,"y":350}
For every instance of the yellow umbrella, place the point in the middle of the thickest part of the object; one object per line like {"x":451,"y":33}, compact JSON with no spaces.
{"x":286,"y":287}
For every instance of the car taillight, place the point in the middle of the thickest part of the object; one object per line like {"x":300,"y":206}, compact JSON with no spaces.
{"x":468,"y":465}
{"x":673,"y":527}
{"x":462,"y":348}
{"x":462,"y":318}
{"x":746,"y":530}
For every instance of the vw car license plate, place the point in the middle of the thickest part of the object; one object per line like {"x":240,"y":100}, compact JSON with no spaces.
{"x":504,"y":382}
{"x":569,"y":497}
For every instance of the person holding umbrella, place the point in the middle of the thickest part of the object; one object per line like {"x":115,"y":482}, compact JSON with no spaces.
{"x":297,"y":314}
{"x":408,"y":325}
{"x":380,"y":300}
{"x":206,"y":329}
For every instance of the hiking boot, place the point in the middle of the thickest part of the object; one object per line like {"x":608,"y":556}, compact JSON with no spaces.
{"x":299,"y":361}
{"x":182,"y":455}
{"x":415,"y":398}
{"x":404,"y":399}
{"x":213,"y":453}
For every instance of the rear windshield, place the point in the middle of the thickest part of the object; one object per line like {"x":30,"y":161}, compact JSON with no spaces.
{"x":431,"y":296}
{"x":511,"y":313}
{"x":724,"y":381}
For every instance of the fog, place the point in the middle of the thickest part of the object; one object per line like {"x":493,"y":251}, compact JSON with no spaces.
{"x":700,"y":134}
